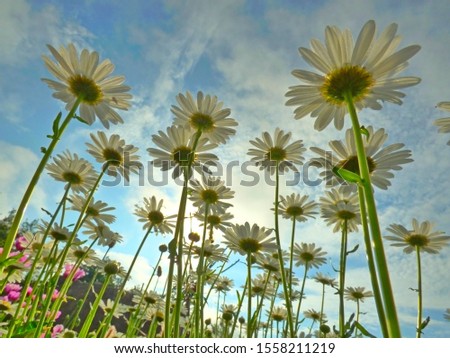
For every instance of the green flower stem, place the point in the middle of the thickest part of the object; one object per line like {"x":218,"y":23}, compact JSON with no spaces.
{"x":176,"y":251}
{"x":84,"y":331}
{"x":127,"y":276}
{"x":134,"y":319}
{"x":371,"y":264}
{"x":198,"y":308}
{"x":239,"y":305}
{"x":32,"y":185}
{"x":419,"y":294}
{"x":35,"y":261}
{"x":300,"y":299}
{"x":357,"y":317}
{"x":280,"y":257}
{"x":321,"y":309}
{"x":291,"y":256}
{"x":380,"y":257}
{"x":74,"y":320}
{"x":249,"y":295}
{"x":311,"y":327}
{"x":257,"y":313}
{"x":342,"y":268}
{"x":272,"y":304}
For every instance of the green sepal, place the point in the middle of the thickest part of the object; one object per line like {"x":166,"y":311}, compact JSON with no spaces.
{"x":347,"y":175}
{"x":424,"y":323}
{"x":353,"y":250}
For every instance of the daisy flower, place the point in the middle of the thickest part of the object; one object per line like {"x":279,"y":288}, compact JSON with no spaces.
{"x":297,"y":207}
{"x":308,"y":255}
{"x":246,"y":239}
{"x":210,"y":191}
{"x":151,"y":215}
{"x":381,"y":161}
{"x":271,"y":152}
{"x":314,"y":315}
{"x":278,"y":314}
{"x":177,"y":148}
{"x":83,"y":77}
{"x":77,"y":253}
{"x":325,"y":280}
{"x":108,"y":306}
{"x":212,"y":252}
{"x":218,"y":219}
{"x":113,"y":152}
{"x":206,"y":115}
{"x":228,"y":312}
{"x":443,"y":123}
{"x":357,"y":294}
{"x":96,"y":211}
{"x":223,"y":284}
{"x":102,"y":232}
{"x":421,"y":236}
{"x":340,"y":205}
{"x":76,"y":172}
{"x":366,"y":71}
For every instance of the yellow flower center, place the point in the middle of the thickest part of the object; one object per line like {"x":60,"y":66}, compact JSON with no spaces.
{"x":111,"y":268}
{"x":72,"y":178}
{"x":214,"y":220}
{"x":345,"y":215}
{"x":155,"y":217}
{"x":294,"y":211}
{"x":91,"y":211}
{"x":209,"y":196}
{"x":276,"y":154}
{"x":58,"y":235}
{"x":417,"y":240}
{"x":249,"y":245}
{"x":86,"y":88}
{"x":307,"y":256}
{"x":351,"y":164}
{"x":353,"y":80}
{"x":202,"y":121}
{"x":181,"y":155}
{"x":113,"y":157}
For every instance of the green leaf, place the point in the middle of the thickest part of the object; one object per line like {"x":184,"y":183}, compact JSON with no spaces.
{"x":43,"y":150}
{"x":364,"y":331}
{"x":365,"y":131}
{"x":173,"y":248}
{"x":353,"y":250}
{"x":81,"y":119}
{"x":56,"y":124}
{"x":347,"y":175}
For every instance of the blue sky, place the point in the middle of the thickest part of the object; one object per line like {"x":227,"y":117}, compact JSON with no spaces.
{"x":242,"y":52}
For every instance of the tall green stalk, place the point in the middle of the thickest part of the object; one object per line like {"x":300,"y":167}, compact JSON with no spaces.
{"x":57,"y":133}
{"x":280,"y":257}
{"x":392,"y":321}
{"x":249,"y":295}
{"x":300,"y":299}
{"x":419,"y":293}
{"x":342,"y":268}
{"x":371,"y":264}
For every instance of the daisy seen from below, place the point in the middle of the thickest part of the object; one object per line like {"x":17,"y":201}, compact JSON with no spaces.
{"x":297,"y":207}
{"x":179,"y":150}
{"x":339,"y":206}
{"x":152,"y":217}
{"x":210,"y":192}
{"x":421,"y":237}
{"x":249,"y":240}
{"x":205,"y":114}
{"x":309,"y":255}
{"x":364,"y":72}
{"x":443,"y":123}
{"x":217,"y":218}
{"x":73,"y":170}
{"x":115,"y":155}
{"x":357,"y":294}
{"x":102,"y":233}
{"x":272,"y":152}
{"x":97,"y":211}
{"x":82,"y":78}
{"x":381,"y":161}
